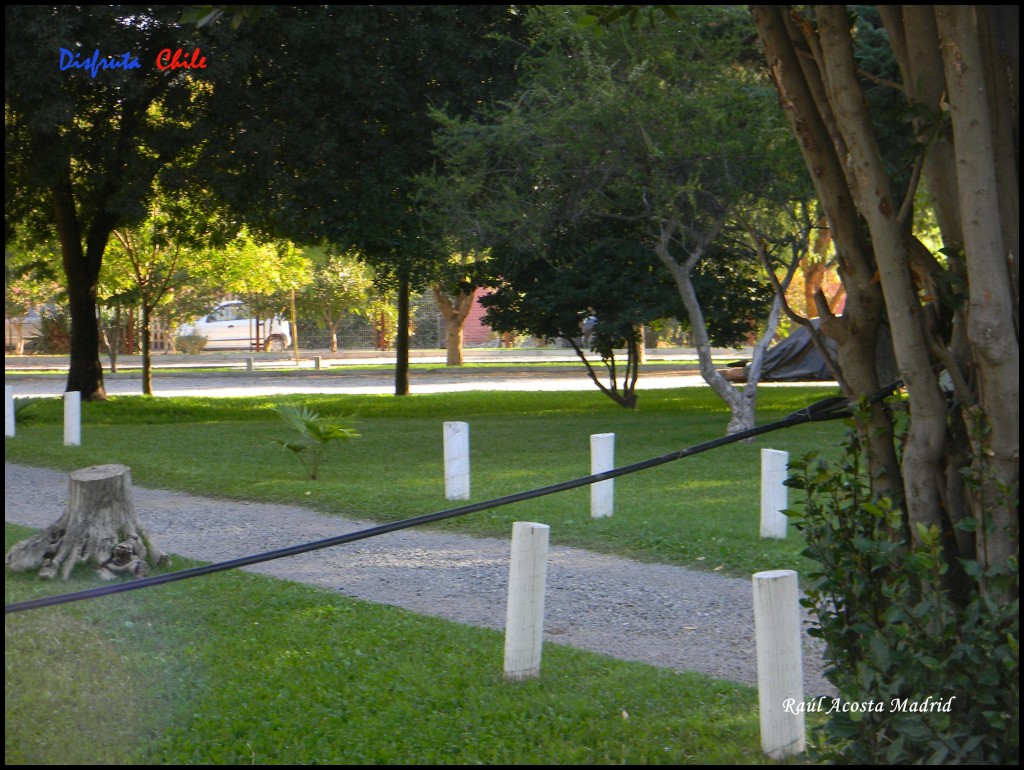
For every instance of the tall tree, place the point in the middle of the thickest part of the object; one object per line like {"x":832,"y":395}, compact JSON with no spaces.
{"x":955,"y":64}
{"x":668,"y":127}
{"x":340,"y":284}
{"x":85,"y":140}
{"x":333,"y":106}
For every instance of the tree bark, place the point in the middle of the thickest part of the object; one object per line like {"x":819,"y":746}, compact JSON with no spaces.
{"x":82,"y":268}
{"x":802,"y":96}
{"x":402,"y":339}
{"x":991,"y":311}
{"x":922,"y":462}
{"x":100,"y":526}
{"x":455,"y":314}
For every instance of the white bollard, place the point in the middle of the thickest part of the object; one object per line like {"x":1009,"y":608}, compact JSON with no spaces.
{"x":774,"y":493}
{"x":779,"y":663}
{"x":8,"y":410}
{"x":602,"y":458}
{"x":72,"y":418}
{"x":316,"y":361}
{"x":524,"y":614}
{"x":456,"y":460}
{"x":248,"y":364}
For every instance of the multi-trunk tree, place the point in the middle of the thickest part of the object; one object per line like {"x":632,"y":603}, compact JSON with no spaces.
{"x":952,"y":317}
{"x":949,"y":320}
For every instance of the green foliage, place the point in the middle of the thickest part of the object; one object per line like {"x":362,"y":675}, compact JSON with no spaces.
{"x":897,"y":634}
{"x":314,"y":434}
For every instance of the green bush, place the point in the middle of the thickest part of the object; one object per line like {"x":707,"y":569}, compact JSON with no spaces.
{"x":190,"y":344}
{"x":939,"y":669}
{"x":54,"y":332}
{"x":313,"y":434}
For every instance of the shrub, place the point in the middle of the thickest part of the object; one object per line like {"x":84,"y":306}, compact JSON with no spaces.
{"x":190,"y":344}
{"x":54,"y":332}
{"x":897,"y":636}
{"x":313,"y":434}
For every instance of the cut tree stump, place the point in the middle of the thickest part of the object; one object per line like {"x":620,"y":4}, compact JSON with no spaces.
{"x":100,"y":526}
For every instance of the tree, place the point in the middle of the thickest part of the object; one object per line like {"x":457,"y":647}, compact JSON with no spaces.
{"x":951,"y":475}
{"x":599,"y":274}
{"x":84,"y":144}
{"x":157,"y":257}
{"x":341,"y":284}
{"x":264,"y":272}
{"x":333,"y":139}
{"x":28,"y":285}
{"x":959,"y":317}
{"x":455,"y":289}
{"x":625,"y":127}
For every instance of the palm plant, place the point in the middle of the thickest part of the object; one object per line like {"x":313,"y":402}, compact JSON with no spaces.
{"x":315,"y":433}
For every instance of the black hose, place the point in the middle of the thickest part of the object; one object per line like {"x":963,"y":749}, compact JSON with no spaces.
{"x":833,"y":408}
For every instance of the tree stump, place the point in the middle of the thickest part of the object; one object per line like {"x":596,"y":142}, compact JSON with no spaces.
{"x":99,"y":526}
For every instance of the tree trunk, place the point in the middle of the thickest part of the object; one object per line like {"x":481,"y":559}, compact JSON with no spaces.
{"x":991,"y":309}
{"x":856,"y":333}
{"x":82,"y":268}
{"x":741,"y":410}
{"x":402,"y":339}
{"x":100,"y":526}
{"x":455,"y":314}
{"x":922,"y":462}
{"x":147,"y":353}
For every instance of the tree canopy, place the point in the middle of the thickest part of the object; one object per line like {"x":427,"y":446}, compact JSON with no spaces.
{"x":669,"y":129}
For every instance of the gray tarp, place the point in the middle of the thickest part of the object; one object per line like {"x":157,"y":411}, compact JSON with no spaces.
{"x":793,"y":359}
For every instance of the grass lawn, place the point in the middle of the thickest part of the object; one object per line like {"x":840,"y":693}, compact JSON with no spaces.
{"x":242,"y":669}
{"x":702,"y":511}
{"x":237,"y":668}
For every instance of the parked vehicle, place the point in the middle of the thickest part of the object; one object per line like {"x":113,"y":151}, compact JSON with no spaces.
{"x":232,"y":325}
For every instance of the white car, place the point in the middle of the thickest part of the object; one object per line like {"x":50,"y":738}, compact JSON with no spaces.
{"x":231,"y":325}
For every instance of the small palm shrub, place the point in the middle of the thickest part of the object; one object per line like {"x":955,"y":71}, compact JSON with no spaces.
{"x":312,"y":436}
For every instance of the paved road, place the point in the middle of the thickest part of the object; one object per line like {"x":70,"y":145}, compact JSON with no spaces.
{"x":354,"y":381}
{"x":270,"y":374}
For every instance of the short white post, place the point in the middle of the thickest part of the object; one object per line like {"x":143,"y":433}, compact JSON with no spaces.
{"x":774,"y":494}
{"x":456,"y":460}
{"x":8,"y":410}
{"x":248,"y":364}
{"x":72,"y":418}
{"x":524,"y":615}
{"x":602,"y":458}
{"x":780,"y":687}
{"x":317,"y":361}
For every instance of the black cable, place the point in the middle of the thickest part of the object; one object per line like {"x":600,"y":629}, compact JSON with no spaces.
{"x":833,"y":408}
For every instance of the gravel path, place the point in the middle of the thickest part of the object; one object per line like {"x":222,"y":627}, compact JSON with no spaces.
{"x":658,"y":614}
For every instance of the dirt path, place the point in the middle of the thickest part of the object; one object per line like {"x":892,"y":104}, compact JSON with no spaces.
{"x":658,"y":614}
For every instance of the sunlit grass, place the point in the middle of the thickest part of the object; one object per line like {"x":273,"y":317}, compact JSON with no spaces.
{"x":674,"y":513}
{"x":237,"y":668}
